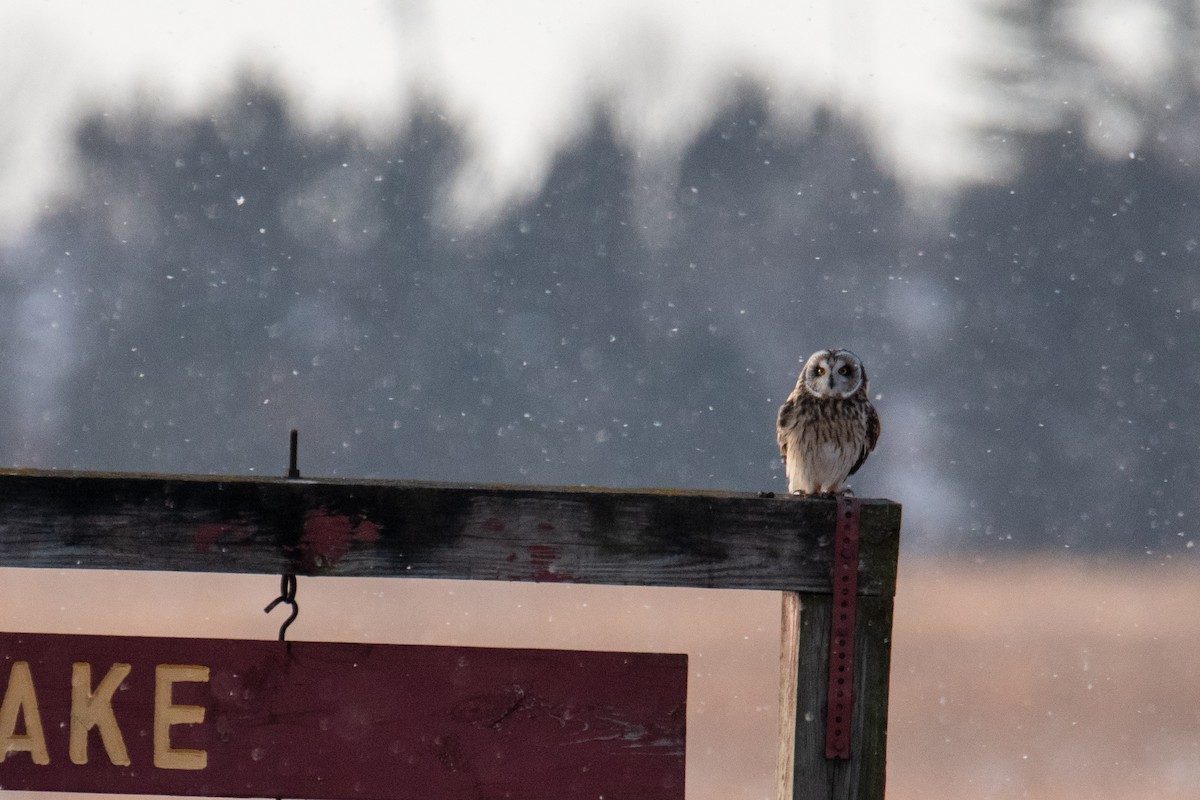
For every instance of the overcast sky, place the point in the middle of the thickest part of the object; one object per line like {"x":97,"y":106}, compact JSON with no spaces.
{"x":522,"y":80}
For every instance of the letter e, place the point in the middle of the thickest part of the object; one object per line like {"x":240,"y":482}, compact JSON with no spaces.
{"x":167,"y":714}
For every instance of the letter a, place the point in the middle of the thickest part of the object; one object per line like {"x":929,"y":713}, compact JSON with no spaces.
{"x":20,"y":698}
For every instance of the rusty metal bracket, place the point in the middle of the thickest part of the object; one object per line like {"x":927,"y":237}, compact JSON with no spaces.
{"x":840,"y":692}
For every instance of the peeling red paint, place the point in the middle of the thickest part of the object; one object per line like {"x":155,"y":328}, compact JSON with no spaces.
{"x":327,"y":537}
{"x":210,"y":533}
{"x":542,"y":558}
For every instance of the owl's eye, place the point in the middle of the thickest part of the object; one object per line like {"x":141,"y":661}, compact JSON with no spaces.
{"x":820,"y":371}
{"x":843,"y":371}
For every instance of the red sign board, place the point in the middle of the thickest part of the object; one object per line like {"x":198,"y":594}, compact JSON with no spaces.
{"x":237,"y":718}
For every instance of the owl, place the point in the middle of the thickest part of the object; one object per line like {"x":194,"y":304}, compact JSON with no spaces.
{"x":828,"y":426}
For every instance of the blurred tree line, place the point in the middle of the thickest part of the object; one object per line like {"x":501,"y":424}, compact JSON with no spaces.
{"x":212,"y":282}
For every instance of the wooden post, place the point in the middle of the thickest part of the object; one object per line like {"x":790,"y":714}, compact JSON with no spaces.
{"x":423,"y":530}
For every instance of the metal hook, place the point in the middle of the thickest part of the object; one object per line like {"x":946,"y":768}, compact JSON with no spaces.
{"x":287,"y":594}
{"x":287,"y":582}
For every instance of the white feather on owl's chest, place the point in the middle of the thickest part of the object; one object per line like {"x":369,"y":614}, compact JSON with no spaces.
{"x":819,"y":465}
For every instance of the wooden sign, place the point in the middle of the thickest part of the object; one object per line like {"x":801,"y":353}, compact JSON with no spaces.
{"x":716,"y":540}
{"x":237,"y":718}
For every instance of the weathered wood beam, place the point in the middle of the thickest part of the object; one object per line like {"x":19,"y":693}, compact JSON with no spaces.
{"x":425,"y":530}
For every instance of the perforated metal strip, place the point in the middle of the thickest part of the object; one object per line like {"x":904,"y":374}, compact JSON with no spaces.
{"x":840,"y":694}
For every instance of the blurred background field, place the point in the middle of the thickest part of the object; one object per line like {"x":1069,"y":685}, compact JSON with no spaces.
{"x":1053,"y":681}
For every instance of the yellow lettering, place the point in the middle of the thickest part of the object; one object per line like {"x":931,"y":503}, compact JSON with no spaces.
{"x":20,"y":698}
{"x":167,"y":714}
{"x":94,"y":710}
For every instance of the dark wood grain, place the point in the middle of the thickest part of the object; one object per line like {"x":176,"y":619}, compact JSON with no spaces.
{"x":357,"y":528}
{"x":863,"y":775}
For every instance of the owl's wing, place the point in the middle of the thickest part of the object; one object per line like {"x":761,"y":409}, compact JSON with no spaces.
{"x":873,"y":429}
{"x":787,"y":415}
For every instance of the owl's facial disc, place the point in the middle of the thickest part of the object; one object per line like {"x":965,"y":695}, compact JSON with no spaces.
{"x":833,"y":373}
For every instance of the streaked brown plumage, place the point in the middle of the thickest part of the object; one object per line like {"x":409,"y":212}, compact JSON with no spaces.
{"x":827,"y":427}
